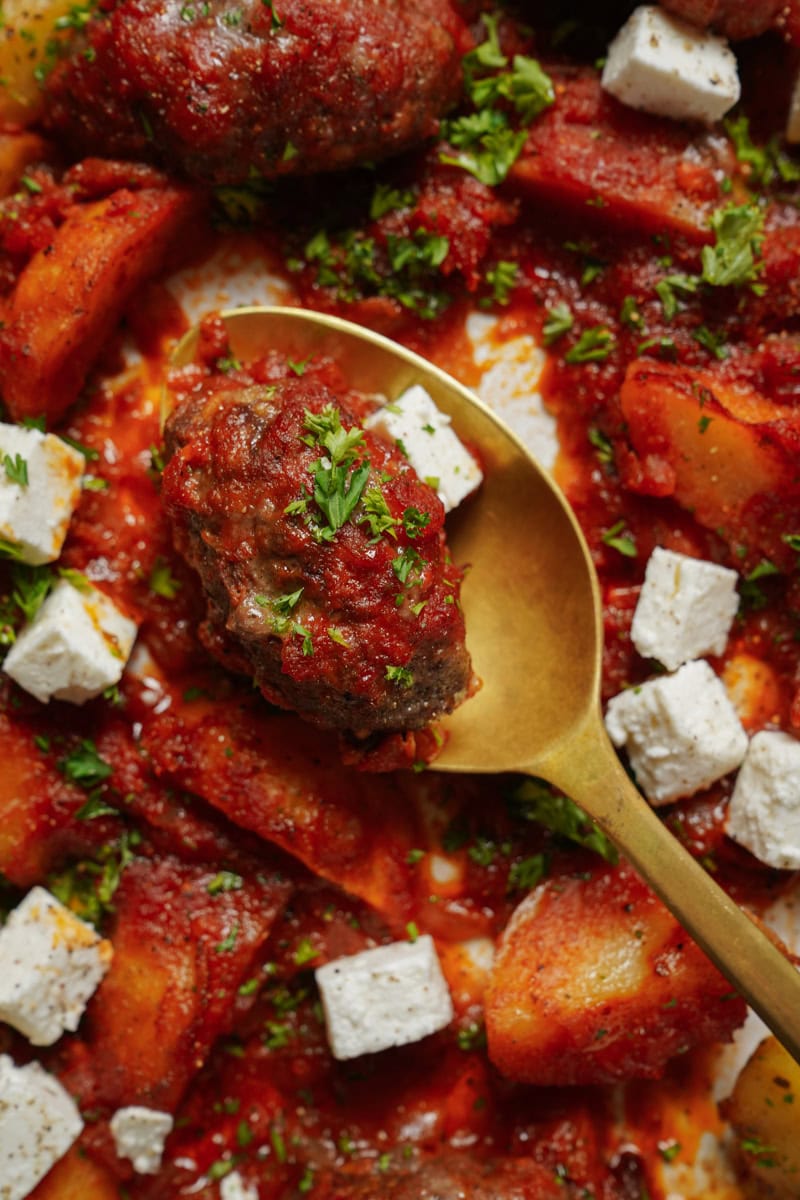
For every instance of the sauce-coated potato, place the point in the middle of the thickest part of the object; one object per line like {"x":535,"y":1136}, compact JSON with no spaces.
{"x":28,"y":37}
{"x":764,"y":1110}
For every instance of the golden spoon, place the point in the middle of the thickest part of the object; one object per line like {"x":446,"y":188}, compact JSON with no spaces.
{"x":534,"y":629}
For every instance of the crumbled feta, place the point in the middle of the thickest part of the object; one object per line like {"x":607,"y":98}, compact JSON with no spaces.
{"x":233,"y":1187}
{"x":663,"y":65}
{"x":75,"y":647}
{"x":51,"y":963}
{"x":139,"y":1134}
{"x":389,"y":996}
{"x":764,"y":810}
{"x":39,"y":1121}
{"x":35,"y":515}
{"x":425,"y":436}
{"x":681,"y":732}
{"x":686,"y":608}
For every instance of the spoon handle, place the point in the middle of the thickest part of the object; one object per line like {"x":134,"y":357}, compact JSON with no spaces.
{"x":586,"y":768}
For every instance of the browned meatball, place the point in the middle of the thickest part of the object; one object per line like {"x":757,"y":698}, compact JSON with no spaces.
{"x":222,"y":89}
{"x":734,"y":18}
{"x":321,"y":554}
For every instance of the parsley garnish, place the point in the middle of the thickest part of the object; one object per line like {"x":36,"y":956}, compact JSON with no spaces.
{"x":387,"y":199}
{"x":668,"y":286}
{"x":224,"y":881}
{"x":339,"y":479}
{"x":502,"y":278}
{"x":16,"y":469}
{"x":414,"y":522}
{"x":407,"y":565}
{"x":559,"y":321}
{"x":732,"y":260}
{"x":488,"y":144}
{"x":767,"y":164}
{"x":88,"y":887}
{"x":615,"y":538}
{"x":399,"y":675}
{"x":594,"y":345}
{"x":162,"y":582}
{"x":377,"y":514}
{"x":533,"y":801}
{"x":84,"y":766}
{"x":525,"y":875}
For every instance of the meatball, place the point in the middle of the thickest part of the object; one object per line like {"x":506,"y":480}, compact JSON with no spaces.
{"x":734,"y":18}
{"x":321,"y":555}
{"x":223,"y":90}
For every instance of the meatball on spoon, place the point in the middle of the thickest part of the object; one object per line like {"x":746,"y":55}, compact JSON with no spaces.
{"x":534,"y":625}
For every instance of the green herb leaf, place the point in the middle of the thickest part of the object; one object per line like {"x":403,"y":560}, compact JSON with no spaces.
{"x":732,"y":260}
{"x":16,"y":469}
{"x":84,"y":766}
{"x":399,"y":675}
{"x":594,"y":345}
{"x":559,"y":321}
{"x":624,"y":543}
{"x":533,"y":800}
{"x":224,"y":881}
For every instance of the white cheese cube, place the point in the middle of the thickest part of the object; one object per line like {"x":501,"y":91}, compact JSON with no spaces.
{"x":51,"y":963}
{"x":793,"y":118}
{"x":432,"y":448}
{"x":764,"y":810}
{"x":681,"y":732}
{"x":233,"y":1187}
{"x":139,"y":1134}
{"x":39,"y":1121}
{"x":75,"y":647}
{"x":685,"y":610}
{"x":662,"y":65}
{"x":385,"y":997}
{"x":35,"y":516}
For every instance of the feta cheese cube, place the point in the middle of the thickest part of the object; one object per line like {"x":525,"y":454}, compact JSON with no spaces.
{"x":686,"y":608}
{"x":139,"y":1134}
{"x":764,"y":810}
{"x":75,"y":647}
{"x":385,"y":997}
{"x":681,"y":732}
{"x":233,"y":1187}
{"x":663,"y":65}
{"x":39,"y":1121}
{"x":35,"y":515}
{"x":51,"y":963}
{"x":433,"y":449}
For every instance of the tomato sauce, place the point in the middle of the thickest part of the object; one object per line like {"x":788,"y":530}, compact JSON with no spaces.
{"x":229,"y":851}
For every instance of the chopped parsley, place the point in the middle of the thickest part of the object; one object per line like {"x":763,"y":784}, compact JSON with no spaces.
{"x":594,"y":345}
{"x":162,"y":582}
{"x":377,"y":514}
{"x":487,"y":143}
{"x":502,"y":278}
{"x":399,"y":675}
{"x":224,"y":881}
{"x":619,"y":541}
{"x":525,"y":875}
{"x":84,"y":766}
{"x":534,"y":801}
{"x":414,"y":522}
{"x":88,"y":886}
{"x":340,"y":476}
{"x":386,"y":199}
{"x":559,"y":321}
{"x":766,"y":164}
{"x":733,"y":260}
{"x":16,"y":469}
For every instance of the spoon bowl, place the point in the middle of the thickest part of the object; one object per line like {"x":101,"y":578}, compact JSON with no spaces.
{"x":535,"y":633}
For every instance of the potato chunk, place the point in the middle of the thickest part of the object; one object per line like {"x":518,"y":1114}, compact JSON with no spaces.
{"x":596,"y":981}
{"x":764,"y":1110}
{"x":27,"y":47}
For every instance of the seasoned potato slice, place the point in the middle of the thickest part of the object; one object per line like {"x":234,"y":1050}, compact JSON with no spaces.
{"x":29,"y":35}
{"x":764,"y":1110}
{"x":596,"y":981}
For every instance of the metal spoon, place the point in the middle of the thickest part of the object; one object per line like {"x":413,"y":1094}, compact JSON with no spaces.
{"x":534,"y":629}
